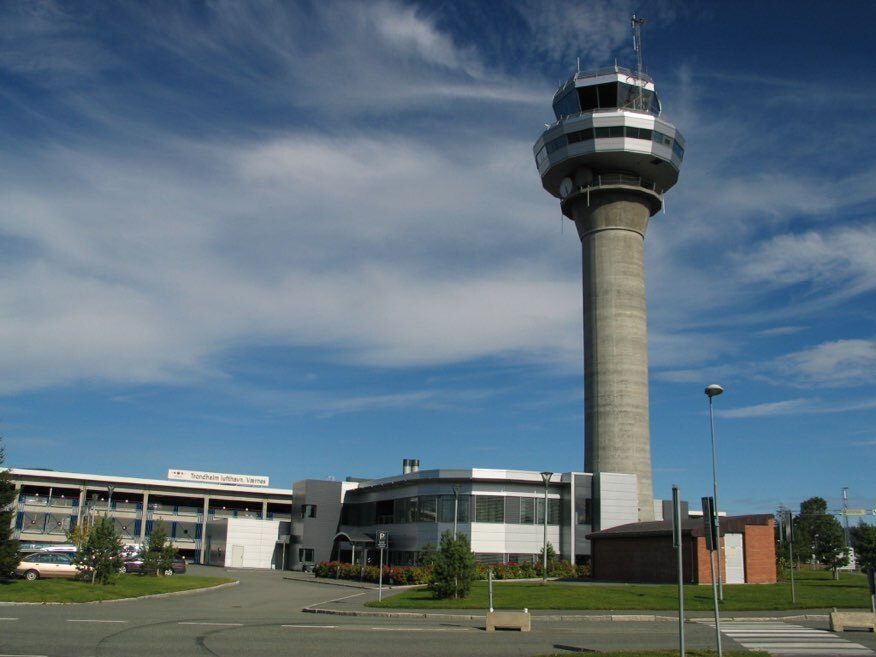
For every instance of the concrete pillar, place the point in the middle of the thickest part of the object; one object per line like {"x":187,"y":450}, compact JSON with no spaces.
{"x":611,"y":223}
{"x":205,"y":515}
{"x":144,"y":517}
{"x":83,"y":500}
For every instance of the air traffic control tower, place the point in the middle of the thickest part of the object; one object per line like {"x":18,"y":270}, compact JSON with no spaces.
{"x":609,"y":158}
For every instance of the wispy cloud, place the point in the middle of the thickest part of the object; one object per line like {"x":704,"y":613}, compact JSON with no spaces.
{"x":831,"y":364}
{"x":800,"y":406}
{"x":782,"y":330}
{"x":841,"y":261}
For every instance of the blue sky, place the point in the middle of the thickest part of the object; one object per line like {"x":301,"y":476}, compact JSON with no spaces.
{"x":308,"y":240}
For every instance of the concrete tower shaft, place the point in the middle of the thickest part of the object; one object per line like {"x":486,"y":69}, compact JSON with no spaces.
{"x":617,"y":438}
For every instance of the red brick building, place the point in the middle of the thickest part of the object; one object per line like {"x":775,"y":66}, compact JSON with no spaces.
{"x":643,"y":552}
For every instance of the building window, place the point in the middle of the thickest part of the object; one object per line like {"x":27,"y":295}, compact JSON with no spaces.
{"x":445,"y":509}
{"x":553,"y":511}
{"x":308,"y":511}
{"x":428,"y":509}
{"x":527,"y":510}
{"x":305,"y":555}
{"x":489,"y":508}
{"x":585,"y":515}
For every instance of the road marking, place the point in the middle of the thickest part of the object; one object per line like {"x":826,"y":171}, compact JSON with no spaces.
{"x":359,"y":628}
{"x":779,"y":638}
{"x":92,"y":620}
{"x":220,"y":624}
{"x":346,"y":597}
{"x":420,"y":629}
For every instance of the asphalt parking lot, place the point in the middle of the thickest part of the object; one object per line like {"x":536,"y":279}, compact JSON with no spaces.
{"x":263,"y":615}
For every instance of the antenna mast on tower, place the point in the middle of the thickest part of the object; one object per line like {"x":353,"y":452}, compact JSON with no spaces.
{"x":638,"y":22}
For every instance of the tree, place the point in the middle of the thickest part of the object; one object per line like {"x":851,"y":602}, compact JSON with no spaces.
{"x":98,"y":552}
{"x":818,"y":535}
{"x":8,"y":545}
{"x":805,"y":526}
{"x":427,"y":556}
{"x":159,"y":553}
{"x":551,"y":554}
{"x":455,"y":568}
{"x":864,"y":540}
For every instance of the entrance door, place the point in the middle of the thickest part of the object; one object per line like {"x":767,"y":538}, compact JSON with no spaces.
{"x":237,"y":556}
{"x":734,"y":562}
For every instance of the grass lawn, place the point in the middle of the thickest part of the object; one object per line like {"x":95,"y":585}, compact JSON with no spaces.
{"x":815,"y":590}
{"x":125,"y":586}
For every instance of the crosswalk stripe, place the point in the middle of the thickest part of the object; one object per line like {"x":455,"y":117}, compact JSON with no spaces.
{"x":787,"y":639}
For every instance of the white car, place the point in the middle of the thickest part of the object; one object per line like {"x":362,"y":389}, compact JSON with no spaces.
{"x":47,"y":564}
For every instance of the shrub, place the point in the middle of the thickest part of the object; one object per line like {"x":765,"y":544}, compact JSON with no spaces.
{"x":98,"y":553}
{"x":159,"y":553}
{"x":410,"y":575}
{"x":398,"y":575}
{"x":455,"y":568}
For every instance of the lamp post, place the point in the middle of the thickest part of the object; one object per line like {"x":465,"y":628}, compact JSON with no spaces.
{"x":713,"y":391}
{"x":546,"y":477}
{"x":455,"y":508}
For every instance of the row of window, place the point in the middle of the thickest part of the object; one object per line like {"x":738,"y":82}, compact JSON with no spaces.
{"x":47,"y":523}
{"x":440,"y":508}
{"x":609,"y":95}
{"x":605,"y":132}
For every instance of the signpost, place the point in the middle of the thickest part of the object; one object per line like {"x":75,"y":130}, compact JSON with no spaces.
{"x":788,"y":529}
{"x":676,"y":543}
{"x":382,"y":542}
{"x":712,"y":544}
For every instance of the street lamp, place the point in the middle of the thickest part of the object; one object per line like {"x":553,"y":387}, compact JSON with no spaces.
{"x":546,"y":477}
{"x":713,"y":391}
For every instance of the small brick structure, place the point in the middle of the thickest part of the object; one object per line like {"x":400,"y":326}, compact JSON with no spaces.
{"x":509,"y":620}
{"x":643,"y":552}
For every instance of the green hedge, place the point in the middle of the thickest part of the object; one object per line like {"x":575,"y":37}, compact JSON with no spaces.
{"x":400,"y":575}
{"x":407,"y":575}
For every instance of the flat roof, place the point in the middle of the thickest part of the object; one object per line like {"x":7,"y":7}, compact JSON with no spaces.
{"x":78,"y":478}
{"x":467,"y":474}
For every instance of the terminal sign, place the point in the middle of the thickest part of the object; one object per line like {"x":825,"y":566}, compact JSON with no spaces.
{"x":218,"y":478}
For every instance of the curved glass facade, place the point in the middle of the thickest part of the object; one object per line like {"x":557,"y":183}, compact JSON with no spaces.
{"x":608,"y":95}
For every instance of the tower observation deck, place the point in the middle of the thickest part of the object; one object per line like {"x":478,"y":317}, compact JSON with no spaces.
{"x":609,"y":158}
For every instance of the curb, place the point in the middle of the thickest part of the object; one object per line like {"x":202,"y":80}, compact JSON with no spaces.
{"x":169,"y":594}
{"x":392,"y":614}
{"x":562,"y":618}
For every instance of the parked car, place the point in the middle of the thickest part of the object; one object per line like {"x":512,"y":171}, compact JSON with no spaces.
{"x":136,"y":566}
{"x":47,"y":564}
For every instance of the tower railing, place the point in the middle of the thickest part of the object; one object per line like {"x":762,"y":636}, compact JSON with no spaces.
{"x":608,"y":70}
{"x":615,"y":179}
{"x":597,"y":110}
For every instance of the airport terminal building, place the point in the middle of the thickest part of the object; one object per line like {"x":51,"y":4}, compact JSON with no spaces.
{"x":232,"y":524}
{"x":51,"y":503}
{"x":508,"y":516}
